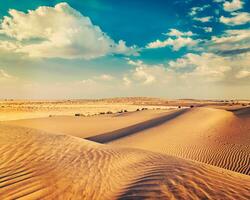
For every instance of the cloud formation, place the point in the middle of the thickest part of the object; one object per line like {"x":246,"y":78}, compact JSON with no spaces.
{"x":205,"y":66}
{"x":243,"y":74}
{"x":208,"y":29}
{"x":4,"y":74}
{"x":179,"y":40}
{"x":146,"y":74}
{"x":6,"y":77}
{"x":177,"y":33}
{"x":192,"y":68}
{"x":59,"y":31}
{"x":203,"y":19}
{"x":104,"y":77}
{"x":238,"y":18}
{"x":231,"y":40}
{"x":196,"y":10}
{"x":233,"y":5}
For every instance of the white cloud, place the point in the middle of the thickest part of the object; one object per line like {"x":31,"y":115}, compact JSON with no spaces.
{"x":4,"y":74}
{"x":177,"y":33}
{"x":191,"y":69}
{"x":218,"y":1}
{"x":195,"y":10}
{"x":126,"y":81}
{"x":233,"y":5}
{"x":208,"y":29}
{"x":206,"y":67}
{"x":203,"y":19}
{"x":176,"y":44}
{"x":230,"y":40}
{"x":147,"y":74}
{"x":232,"y":36}
{"x":243,"y":74}
{"x":104,"y":77}
{"x":179,"y":40}
{"x":59,"y":31}
{"x":85,"y":82}
{"x":238,"y":19}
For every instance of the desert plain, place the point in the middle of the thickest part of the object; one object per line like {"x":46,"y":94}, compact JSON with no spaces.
{"x":125,"y":148}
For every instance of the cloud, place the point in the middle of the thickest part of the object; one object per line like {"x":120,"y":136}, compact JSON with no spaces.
{"x":233,"y":5}
{"x":176,"y":44}
{"x":195,"y":10}
{"x":179,"y":41}
{"x":210,"y":67}
{"x":208,"y":29}
{"x":218,"y":1}
{"x":232,"y":40}
{"x":5,"y":76}
{"x":95,"y":80}
{"x":203,"y":19}
{"x":104,"y":77}
{"x":238,"y":19}
{"x":126,"y":81}
{"x":59,"y":31}
{"x":177,"y":33}
{"x":86,"y":82}
{"x":146,"y":74}
{"x":233,"y":52}
{"x":243,"y":74}
{"x":192,"y":69}
{"x":206,"y":66}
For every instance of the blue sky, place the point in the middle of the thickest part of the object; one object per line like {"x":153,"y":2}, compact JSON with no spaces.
{"x":106,"y":48}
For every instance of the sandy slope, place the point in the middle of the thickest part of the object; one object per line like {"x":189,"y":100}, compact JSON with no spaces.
{"x":91,"y":126}
{"x":209,"y":135}
{"x":36,"y":165}
{"x":212,"y":136}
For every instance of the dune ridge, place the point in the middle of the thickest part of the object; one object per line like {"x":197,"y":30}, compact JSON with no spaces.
{"x":37,"y":165}
{"x":208,"y":135}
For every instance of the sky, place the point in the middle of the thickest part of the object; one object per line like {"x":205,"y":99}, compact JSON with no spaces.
{"x":52,"y":49}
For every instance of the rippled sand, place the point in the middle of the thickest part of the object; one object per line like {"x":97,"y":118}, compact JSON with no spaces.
{"x":187,"y":153}
{"x":37,"y":165}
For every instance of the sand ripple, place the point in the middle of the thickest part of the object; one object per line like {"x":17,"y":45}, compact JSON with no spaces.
{"x":37,"y":165}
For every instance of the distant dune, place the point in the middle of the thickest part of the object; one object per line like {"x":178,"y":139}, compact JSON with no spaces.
{"x":36,"y":165}
{"x":90,"y":126}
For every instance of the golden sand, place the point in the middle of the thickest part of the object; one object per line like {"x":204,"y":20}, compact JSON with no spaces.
{"x":182,"y":153}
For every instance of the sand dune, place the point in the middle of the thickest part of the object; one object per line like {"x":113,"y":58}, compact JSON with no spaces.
{"x":150,"y":154}
{"x":213,"y":136}
{"x":38,"y":165}
{"x":208,"y":135}
{"x":85,"y":127}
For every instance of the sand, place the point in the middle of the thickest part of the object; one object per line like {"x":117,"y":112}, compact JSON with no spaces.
{"x":37,"y":165}
{"x":208,"y":135}
{"x":160,"y":153}
{"x":85,"y":127}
